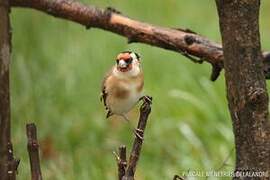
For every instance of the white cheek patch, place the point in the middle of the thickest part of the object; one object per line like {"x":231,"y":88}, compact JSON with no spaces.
{"x":135,"y":70}
{"x":135,"y":61}
{"x":133,"y":55}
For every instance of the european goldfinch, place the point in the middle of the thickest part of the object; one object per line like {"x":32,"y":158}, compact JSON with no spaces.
{"x":122,"y":87}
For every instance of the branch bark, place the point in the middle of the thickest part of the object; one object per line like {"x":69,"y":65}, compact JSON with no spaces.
{"x":185,"y":42}
{"x":127,"y":171}
{"x":122,"y":162}
{"x":138,"y":141}
{"x":246,"y":86}
{"x":8,"y":165}
{"x":33,"y":151}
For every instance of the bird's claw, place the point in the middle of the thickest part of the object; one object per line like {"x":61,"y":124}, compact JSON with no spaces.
{"x":137,"y":133}
{"x":147,"y":99}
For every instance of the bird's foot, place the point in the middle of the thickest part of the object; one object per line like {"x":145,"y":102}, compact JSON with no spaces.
{"x":139,"y":133}
{"x":147,"y":99}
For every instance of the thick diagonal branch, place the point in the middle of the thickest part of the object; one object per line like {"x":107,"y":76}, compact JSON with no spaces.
{"x":185,"y":42}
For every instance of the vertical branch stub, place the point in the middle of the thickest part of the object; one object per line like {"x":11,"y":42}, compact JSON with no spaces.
{"x":33,"y":151}
{"x":122,"y":162}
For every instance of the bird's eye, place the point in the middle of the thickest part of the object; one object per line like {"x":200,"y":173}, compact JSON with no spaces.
{"x":117,"y":61}
{"x":138,"y":56}
{"x":129,"y":61}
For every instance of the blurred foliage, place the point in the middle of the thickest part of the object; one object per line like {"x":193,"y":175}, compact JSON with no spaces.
{"x":56,"y":71}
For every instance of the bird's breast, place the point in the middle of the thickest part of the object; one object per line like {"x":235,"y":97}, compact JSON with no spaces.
{"x":124,"y":95}
{"x":128,"y":90}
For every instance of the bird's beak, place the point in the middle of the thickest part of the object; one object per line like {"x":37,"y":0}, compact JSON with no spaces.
{"x":122,"y":64}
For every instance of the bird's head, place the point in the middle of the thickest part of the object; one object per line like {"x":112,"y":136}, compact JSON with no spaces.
{"x":127,"y":61}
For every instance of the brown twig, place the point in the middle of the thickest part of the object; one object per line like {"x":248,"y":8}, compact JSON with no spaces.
{"x":122,"y":162}
{"x":138,"y":141}
{"x":33,"y":152}
{"x":185,"y":42}
{"x":127,"y":172}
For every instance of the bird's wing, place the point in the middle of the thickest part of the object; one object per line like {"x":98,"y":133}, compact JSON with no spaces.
{"x":103,"y":95}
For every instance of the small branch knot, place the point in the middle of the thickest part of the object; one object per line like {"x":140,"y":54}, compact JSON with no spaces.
{"x":189,"y":40}
{"x":33,"y":144}
{"x":216,"y":69}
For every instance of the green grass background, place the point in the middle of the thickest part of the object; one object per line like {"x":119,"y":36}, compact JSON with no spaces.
{"x":56,"y":71}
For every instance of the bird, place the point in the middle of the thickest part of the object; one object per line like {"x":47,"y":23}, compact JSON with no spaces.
{"x":122,"y":86}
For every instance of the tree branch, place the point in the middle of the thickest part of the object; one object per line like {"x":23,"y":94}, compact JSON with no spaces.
{"x":185,"y":42}
{"x":127,"y":171}
{"x":122,"y":162}
{"x":246,"y":87}
{"x":8,"y":165}
{"x":33,"y":152}
{"x":137,"y":144}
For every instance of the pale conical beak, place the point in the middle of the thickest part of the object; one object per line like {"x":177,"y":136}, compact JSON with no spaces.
{"x":122,"y":64}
